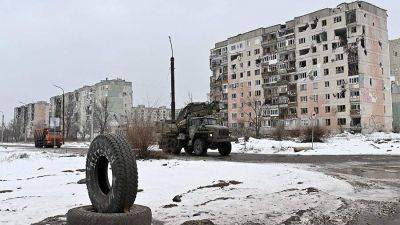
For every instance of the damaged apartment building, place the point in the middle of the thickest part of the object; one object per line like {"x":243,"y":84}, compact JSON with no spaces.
{"x":113,"y":96}
{"x":331,"y":66}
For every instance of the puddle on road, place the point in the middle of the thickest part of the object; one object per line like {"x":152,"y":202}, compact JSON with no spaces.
{"x":373,"y":172}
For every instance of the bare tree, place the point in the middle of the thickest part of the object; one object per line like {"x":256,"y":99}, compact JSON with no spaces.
{"x":252,"y":108}
{"x":101,"y":116}
{"x":85,"y":131}
{"x":70,"y":116}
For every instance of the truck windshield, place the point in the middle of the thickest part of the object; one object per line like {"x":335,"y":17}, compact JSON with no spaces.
{"x":209,"y":121}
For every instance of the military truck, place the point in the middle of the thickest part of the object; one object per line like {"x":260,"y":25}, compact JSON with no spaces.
{"x":196,"y":129}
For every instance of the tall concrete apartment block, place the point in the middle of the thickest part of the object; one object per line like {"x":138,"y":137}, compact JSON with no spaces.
{"x":395,"y":78}
{"x":330,"y":66}
{"x":79,"y":103}
{"x":236,"y":79}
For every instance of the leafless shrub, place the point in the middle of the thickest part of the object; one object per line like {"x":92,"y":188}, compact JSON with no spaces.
{"x":319,"y":133}
{"x":279,"y":132}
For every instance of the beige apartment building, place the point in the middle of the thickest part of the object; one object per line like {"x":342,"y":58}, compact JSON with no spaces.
{"x":330,"y":67}
{"x":80,"y":103}
{"x":30,"y":117}
{"x":395,"y":78}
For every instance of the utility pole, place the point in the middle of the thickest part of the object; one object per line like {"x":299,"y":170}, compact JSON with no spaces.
{"x":91,"y":115}
{"x":63,"y":112}
{"x":172,"y":81}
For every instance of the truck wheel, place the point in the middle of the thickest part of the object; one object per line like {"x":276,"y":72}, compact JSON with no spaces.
{"x":85,"y":215}
{"x":58,"y":146}
{"x":189,"y":150}
{"x":225,"y":149}
{"x":200,"y":147}
{"x":120,"y":195}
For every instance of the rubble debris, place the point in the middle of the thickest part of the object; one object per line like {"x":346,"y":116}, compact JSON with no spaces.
{"x":140,"y":190}
{"x":177,"y":198}
{"x":40,"y":168}
{"x":221,"y":184}
{"x":82,"y":181}
{"x":198,"y":222}
{"x":67,"y":171}
{"x":213,"y":200}
{"x":80,"y":170}
{"x":311,"y":190}
{"x":169,"y":206}
{"x":5,"y":191}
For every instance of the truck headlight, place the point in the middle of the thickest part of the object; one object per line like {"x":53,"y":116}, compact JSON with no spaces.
{"x":211,"y":135}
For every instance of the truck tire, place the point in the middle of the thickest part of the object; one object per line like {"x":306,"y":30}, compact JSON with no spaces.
{"x":119,"y":196}
{"x":86,"y":215}
{"x":200,"y":147}
{"x":225,"y":149}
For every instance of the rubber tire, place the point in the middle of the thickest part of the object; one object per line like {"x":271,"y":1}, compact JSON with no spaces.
{"x":58,"y":146}
{"x":225,"y":149}
{"x":200,"y":147}
{"x":85,"y":215}
{"x":122,"y":194}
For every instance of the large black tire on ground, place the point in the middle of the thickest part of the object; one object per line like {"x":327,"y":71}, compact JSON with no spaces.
{"x":200,"y":147}
{"x":225,"y":148}
{"x":86,"y":215}
{"x":119,"y":196}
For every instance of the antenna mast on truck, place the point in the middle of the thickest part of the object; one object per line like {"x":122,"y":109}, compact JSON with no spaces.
{"x":172,"y":81}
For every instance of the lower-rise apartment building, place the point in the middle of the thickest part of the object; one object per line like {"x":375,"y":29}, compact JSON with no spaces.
{"x":29,"y":117}
{"x":330,"y":67}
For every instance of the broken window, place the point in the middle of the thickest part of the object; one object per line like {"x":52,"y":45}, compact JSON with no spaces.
{"x":340,"y":82}
{"x":326,"y":83}
{"x":326,"y":72}
{"x":304,"y":111}
{"x":339,"y":57}
{"x":327,"y":97}
{"x":304,"y":51}
{"x":314,"y":24}
{"x":302,"y":64}
{"x":342,"y":34}
{"x":341,"y":121}
{"x":302,"y":40}
{"x":316,"y":110}
{"x":314,"y":49}
{"x":353,"y":69}
{"x":303,"y":28}
{"x":327,"y":109}
{"x":354,"y":93}
{"x":323,"y":22}
{"x":315,"y":61}
{"x":327,"y":122}
{"x":351,"y":17}
{"x":324,"y":36}
{"x":340,"y":69}
{"x":341,"y":108}
{"x":337,"y":19}
{"x":355,"y":122}
{"x":326,"y":59}
{"x":353,"y":30}
{"x":325,"y":47}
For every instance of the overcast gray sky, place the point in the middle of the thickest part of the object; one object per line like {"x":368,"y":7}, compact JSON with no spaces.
{"x":73,"y":42}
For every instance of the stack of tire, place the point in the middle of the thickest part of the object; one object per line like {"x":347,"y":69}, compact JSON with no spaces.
{"x":112,"y":204}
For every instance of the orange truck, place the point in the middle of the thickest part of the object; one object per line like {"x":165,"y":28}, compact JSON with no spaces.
{"x":48,"y":137}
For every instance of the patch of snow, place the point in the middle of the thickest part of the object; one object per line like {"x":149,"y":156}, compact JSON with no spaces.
{"x":40,"y":189}
{"x":342,"y":144}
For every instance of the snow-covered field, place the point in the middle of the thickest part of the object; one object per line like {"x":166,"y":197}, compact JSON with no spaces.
{"x":44,"y":184}
{"x":341,"y":144}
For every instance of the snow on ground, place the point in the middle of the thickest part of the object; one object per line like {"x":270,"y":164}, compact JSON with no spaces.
{"x":41,"y":189}
{"x":66,"y":145}
{"x":341,"y":144}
